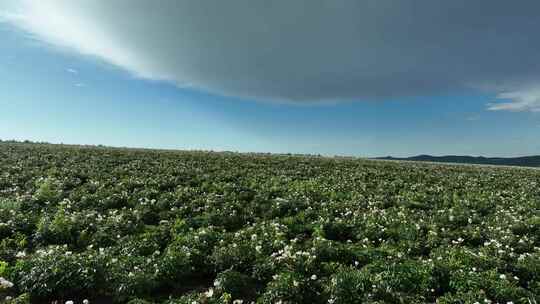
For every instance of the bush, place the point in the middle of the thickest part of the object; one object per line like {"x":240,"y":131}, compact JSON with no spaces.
{"x":401,"y":281}
{"x":285,"y":288}
{"x":238,"y":285}
{"x":48,"y":190}
{"x":290,"y":287}
{"x":240,"y":257}
{"x":58,"y":273}
{"x":349,"y":285}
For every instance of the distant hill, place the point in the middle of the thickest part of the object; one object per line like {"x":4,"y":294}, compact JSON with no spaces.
{"x":525,"y":161}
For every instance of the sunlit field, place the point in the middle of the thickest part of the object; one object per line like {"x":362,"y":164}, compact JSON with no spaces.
{"x":145,"y":226}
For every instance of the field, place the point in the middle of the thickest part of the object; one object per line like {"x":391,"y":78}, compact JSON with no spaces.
{"x":145,"y":226}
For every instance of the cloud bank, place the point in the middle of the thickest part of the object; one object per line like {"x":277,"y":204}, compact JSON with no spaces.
{"x":306,"y":50}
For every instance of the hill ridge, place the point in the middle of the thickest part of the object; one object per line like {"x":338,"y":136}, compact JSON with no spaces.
{"x":522,"y":161}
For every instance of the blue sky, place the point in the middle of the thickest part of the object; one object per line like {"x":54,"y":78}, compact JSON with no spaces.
{"x":51,"y":93}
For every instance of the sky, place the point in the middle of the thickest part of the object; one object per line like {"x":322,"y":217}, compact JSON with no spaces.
{"x":361,"y":78}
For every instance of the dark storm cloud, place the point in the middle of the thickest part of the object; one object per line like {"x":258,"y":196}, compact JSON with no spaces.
{"x":308,"y":50}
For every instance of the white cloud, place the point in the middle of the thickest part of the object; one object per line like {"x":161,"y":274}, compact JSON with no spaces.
{"x":518,"y":101}
{"x":304,"y":50}
{"x":72,"y":71}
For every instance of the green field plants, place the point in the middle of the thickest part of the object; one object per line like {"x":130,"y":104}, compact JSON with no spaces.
{"x":145,"y":226}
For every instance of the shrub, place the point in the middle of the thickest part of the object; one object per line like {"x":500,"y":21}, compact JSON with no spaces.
{"x":238,"y":285}
{"x":349,"y":285}
{"x":48,"y":190}
{"x":57,"y":273}
{"x":240,"y":257}
{"x":285,"y":288}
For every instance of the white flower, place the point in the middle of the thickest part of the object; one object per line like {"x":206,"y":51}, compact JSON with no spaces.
{"x":238,"y":301}
{"x":85,"y":301}
{"x":314,"y":277}
{"x":69,"y":302}
{"x":20,"y":254}
{"x":5,"y":284}
{"x":295,"y":283}
{"x":502,"y":276}
{"x":210,"y":293}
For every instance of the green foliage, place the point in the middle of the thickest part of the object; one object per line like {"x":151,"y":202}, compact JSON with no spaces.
{"x":48,"y":190}
{"x":145,"y":226}
{"x":349,"y":285}
{"x":3,"y":268}
{"x":139,"y":301}
{"x":238,"y":285}
{"x":289,"y":288}
{"x":234,"y":256}
{"x":21,"y":299}
{"x":57,"y":272}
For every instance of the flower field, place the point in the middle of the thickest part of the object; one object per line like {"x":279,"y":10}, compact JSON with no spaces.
{"x":143,"y":226}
